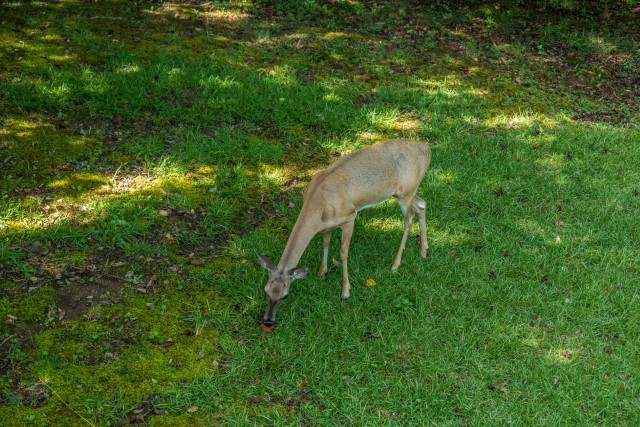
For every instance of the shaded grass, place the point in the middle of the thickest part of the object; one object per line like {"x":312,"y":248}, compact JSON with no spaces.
{"x":148,"y":163}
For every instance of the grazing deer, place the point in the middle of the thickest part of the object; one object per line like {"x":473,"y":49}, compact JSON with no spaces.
{"x":356,"y":181}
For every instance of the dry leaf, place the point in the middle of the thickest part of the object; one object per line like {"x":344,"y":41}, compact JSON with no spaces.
{"x":192,"y":409}
{"x":370,"y":282}
{"x":198,"y":261}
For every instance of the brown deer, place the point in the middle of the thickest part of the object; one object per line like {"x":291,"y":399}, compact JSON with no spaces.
{"x":358,"y":180}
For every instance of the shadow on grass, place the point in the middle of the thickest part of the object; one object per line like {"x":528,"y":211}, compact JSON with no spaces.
{"x":164,"y":154}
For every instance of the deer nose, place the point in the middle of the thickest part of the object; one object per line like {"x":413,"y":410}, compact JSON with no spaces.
{"x":268,"y":323}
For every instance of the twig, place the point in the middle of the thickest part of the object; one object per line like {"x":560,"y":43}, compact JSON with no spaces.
{"x":66,"y":404}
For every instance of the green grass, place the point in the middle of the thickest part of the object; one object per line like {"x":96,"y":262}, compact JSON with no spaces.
{"x":150,"y":150}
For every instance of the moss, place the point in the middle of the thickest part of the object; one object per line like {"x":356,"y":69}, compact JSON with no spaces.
{"x":69,"y":257}
{"x":27,"y":307}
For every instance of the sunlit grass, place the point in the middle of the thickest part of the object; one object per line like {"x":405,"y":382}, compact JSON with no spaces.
{"x":153,"y":150}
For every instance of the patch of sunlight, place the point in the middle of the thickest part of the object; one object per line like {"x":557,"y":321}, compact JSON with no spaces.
{"x":368,"y":137}
{"x":226,"y":15}
{"x":444,"y":175}
{"x":59,"y":91}
{"x":93,"y":82}
{"x":21,"y":128}
{"x":331,"y":97}
{"x":36,"y":220}
{"x":522,"y":119}
{"x":432,"y":86}
{"x":129,"y":68}
{"x":382,"y":118}
{"x":204,"y":170}
{"x":156,"y":177}
{"x":274,"y":174}
{"x":334,"y":35}
{"x":80,"y":181}
{"x":601,"y":46}
{"x":208,"y":11}
{"x":296,"y":36}
{"x":281,"y":73}
{"x":215,"y":82}
{"x":51,"y":38}
{"x":561,"y":355}
{"x":59,"y":58}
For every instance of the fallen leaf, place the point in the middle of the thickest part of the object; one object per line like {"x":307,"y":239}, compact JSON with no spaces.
{"x":370,"y":282}
{"x":164,"y":212}
{"x":265,"y":328}
{"x":198,"y":261}
{"x":346,"y":378}
{"x":255,"y":399}
{"x":559,"y":223}
{"x":555,"y":380}
{"x":192,"y":409}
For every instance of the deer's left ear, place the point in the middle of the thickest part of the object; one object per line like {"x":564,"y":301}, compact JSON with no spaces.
{"x":298,"y":273}
{"x":266,"y":262}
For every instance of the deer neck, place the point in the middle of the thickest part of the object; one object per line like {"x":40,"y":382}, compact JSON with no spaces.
{"x":302,"y":233}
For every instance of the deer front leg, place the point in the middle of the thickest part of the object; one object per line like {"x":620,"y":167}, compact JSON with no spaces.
{"x":326,"y":237}
{"x":419,"y":207}
{"x":408,"y":217}
{"x":347,"y":231}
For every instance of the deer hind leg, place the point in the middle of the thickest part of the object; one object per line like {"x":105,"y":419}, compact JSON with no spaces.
{"x":407,"y":211}
{"x":326,"y":238}
{"x":347,"y":231}
{"x":419,"y":208}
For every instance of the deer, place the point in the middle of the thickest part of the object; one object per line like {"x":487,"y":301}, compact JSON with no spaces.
{"x":358,"y":180}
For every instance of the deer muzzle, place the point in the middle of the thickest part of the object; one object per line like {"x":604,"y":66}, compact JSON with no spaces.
{"x":270,"y":316}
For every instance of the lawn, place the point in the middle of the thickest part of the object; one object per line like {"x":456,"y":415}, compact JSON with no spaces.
{"x":150,"y":150}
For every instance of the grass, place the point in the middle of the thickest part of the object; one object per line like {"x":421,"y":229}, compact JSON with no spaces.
{"x":151,"y":150}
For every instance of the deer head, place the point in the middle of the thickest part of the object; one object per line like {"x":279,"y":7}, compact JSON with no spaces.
{"x":277,"y":288}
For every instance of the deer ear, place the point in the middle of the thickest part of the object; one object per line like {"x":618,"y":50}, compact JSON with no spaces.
{"x":298,"y":273}
{"x":266,"y":262}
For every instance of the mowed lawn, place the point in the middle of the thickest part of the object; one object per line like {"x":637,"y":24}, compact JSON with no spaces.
{"x":149,"y":151}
